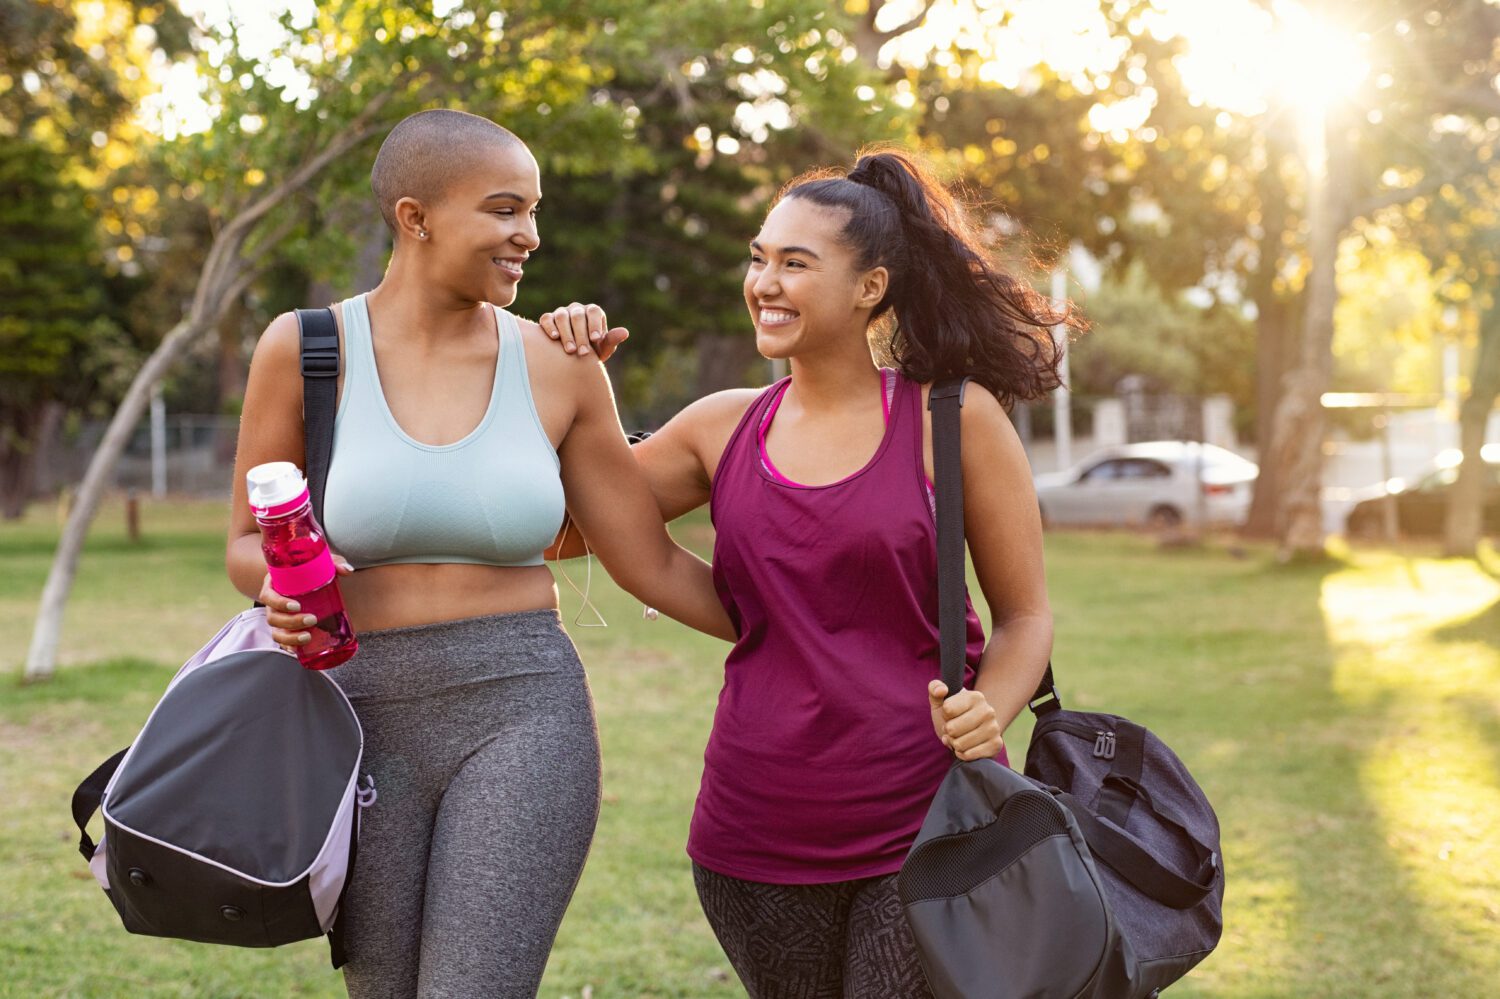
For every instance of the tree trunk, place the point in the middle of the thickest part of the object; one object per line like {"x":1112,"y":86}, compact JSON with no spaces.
{"x":42,"y":656}
{"x":224,"y":276}
{"x":1296,"y":453}
{"x":233,"y":369}
{"x":370,"y":260}
{"x":1275,"y":341}
{"x":1464,"y":521}
{"x":724,"y":362}
{"x":18,"y":448}
{"x":869,"y":40}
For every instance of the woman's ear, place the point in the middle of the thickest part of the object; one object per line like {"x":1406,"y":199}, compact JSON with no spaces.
{"x":411,"y":219}
{"x":872,"y":286}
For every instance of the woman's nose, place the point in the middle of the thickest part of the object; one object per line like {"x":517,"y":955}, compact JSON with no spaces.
{"x":530,"y":235}
{"x":766,"y":283}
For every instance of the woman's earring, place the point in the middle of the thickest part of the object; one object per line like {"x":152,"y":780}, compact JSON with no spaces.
{"x":422,"y":233}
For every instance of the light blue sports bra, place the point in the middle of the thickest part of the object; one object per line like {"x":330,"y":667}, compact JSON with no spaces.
{"x":493,"y":498}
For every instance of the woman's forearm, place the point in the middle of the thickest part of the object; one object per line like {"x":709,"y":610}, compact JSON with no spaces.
{"x":680,"y":585}
{"x":1013,"y":664}
{"x":246,"y":564}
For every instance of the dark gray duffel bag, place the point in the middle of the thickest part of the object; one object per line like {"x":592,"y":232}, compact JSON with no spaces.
{"x":1157,"y":850}
{"x":1096,"y":875}
{"x":234,"y":816}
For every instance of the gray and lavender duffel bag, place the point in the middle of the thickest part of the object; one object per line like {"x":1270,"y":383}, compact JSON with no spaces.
{"x":233,"y":817}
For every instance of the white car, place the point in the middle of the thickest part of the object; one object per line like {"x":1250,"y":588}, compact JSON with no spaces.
{"x":1157,"y":484}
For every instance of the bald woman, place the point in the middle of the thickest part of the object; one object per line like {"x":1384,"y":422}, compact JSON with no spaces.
{"x":461,"y":435}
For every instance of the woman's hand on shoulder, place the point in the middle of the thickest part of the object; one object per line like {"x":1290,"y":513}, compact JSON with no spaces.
{"x":581,"y":328}
{"x":966,"y":722}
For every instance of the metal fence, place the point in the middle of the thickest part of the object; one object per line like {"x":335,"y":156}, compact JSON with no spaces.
{"x":193,"y":455}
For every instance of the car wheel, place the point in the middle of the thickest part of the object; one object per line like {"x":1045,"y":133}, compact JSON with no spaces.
{"x":1164,"y":518}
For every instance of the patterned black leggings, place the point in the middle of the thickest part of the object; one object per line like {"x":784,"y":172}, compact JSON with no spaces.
{"x":846,"y":940}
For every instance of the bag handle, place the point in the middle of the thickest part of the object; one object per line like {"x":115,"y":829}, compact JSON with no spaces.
{"x":87,"y":797}
{"x":945,"y":400}
{"x":320,"y":372}
{"x":1134,"y":863}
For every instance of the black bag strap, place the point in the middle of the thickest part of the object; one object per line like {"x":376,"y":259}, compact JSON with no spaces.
{"x":945,"y":400}
{"x":337,"y":954}
{"x":1132,"y":862}
{"x":87,"y":797}
{"x":320,"y":372}
{"x":1117,"y":794}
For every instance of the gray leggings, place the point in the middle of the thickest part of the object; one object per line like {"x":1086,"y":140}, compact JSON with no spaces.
{"x":480,"y":737}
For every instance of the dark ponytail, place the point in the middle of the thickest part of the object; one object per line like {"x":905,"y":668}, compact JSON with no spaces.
{"x":953,"y":312}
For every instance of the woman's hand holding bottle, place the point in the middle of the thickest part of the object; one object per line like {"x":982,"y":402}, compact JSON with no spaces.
{"x":290,"y":627}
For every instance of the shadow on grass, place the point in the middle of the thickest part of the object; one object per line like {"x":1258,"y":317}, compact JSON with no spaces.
{"x":1235,"y":665}
{"x":1361,"y":881}
{"x":1481,"y":627}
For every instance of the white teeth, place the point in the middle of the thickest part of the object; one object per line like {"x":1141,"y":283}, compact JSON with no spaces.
{"x":771,"y":316}
{"x":509,"y":267}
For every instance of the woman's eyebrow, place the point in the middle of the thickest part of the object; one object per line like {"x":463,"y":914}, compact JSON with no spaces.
{"x":755,"y":245}
{"x":510,"y":195}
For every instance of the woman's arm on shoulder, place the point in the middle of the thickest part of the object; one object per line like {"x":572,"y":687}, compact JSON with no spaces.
{"x":679,"y":460}
{"x":609,"y":498}
{"x":1003,"y":528}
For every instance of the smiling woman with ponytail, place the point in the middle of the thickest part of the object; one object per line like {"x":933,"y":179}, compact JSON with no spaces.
{"x":949,"y":311}
{"x":833,"y":730}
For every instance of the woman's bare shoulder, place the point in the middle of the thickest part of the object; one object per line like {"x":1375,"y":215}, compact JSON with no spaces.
{"x":280,"y":345}
{"x":720,"y":410}
{"x":548,"y":363}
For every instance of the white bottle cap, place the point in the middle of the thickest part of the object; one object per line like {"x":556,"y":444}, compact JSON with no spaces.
{"x":273,"y":484}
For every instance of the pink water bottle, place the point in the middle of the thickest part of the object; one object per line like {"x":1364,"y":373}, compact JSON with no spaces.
{"x":298,"y":559}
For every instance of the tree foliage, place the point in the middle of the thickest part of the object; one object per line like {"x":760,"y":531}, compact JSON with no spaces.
{"x":719,"y":106}
{"x":57,"y":337}
{"x":1176,"y":346}
{"x":63,"y":99}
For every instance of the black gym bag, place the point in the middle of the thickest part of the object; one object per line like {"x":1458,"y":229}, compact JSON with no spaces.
{"x":1095,"y":875}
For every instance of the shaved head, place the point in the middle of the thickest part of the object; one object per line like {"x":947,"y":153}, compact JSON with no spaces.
{"x":427,"y":151}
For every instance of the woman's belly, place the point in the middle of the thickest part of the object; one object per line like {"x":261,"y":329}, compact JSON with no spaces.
{"x":404,"y":594}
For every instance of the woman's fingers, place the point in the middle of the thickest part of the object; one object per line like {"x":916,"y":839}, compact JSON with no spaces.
{"x":578,"y":327}
{"x":607,"y":344}
{"x":289,"y":623}
{"x":966,"y":722}
{"x":981,"y":737}
{"x":558,"y":324}
{"x":571,"y":337}
{"x":936,"y":691}
{"x":595,"y":322}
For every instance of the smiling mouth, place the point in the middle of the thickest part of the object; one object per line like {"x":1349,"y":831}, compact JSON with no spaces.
{"x":775,"y":317}
{"x":511,"y":267}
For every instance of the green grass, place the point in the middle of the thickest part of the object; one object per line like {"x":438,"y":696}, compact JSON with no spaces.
{"x":1344,"y":719}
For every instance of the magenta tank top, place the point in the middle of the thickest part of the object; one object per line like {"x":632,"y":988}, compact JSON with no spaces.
{"x":822,"y":759}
